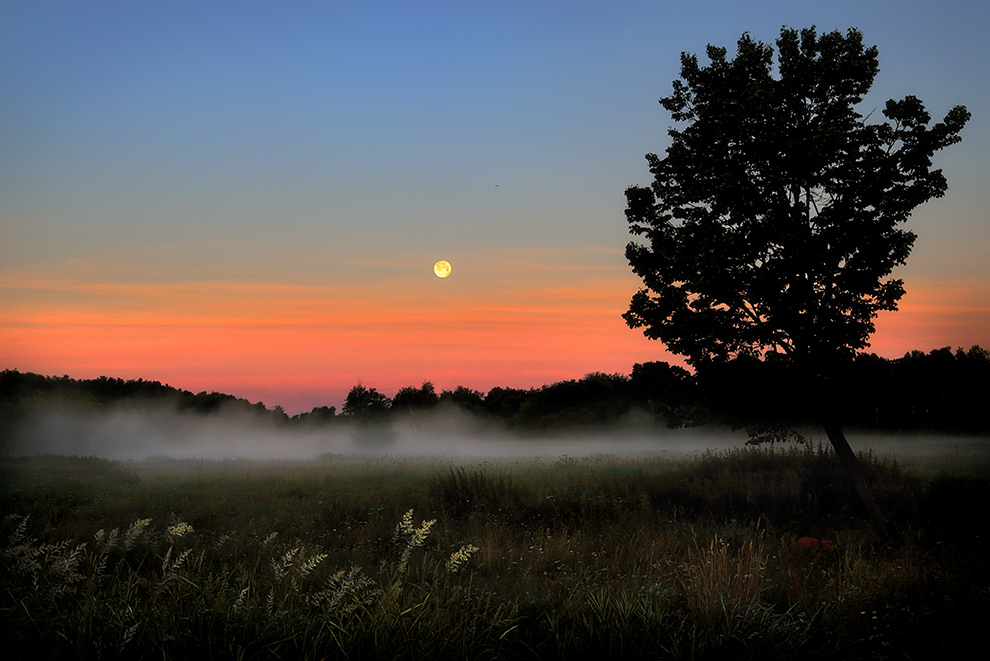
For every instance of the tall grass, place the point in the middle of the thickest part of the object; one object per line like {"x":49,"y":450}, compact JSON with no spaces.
{"x":593,"y":558}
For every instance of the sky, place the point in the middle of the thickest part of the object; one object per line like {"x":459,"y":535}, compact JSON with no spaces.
{"x":249,"y":197}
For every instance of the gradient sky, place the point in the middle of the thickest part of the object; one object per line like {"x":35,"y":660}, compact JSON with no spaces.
{"x":249,"y":196}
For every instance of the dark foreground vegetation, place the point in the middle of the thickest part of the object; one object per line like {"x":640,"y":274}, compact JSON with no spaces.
{"x":940,"y":391}
{"x":752,"y":554}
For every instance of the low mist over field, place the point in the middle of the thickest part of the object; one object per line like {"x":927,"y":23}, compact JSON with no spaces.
{"x":138,"y":431}
{"x":923,"y":403}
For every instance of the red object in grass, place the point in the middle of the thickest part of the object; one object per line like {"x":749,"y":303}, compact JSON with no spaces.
{"x":814,"y":543}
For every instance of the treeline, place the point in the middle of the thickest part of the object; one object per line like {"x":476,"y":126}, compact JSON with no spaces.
{"x":941,"y":391}
{"x":19,"y":390}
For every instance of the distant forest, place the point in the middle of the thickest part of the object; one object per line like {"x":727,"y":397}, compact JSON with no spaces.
{"x":940,"y":391}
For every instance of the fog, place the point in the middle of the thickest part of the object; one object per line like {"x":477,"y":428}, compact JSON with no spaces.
{"x":137,"y":432}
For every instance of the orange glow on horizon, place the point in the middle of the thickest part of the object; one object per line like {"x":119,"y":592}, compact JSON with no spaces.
{"x":257,"y":338}
{"x":302,"y":346}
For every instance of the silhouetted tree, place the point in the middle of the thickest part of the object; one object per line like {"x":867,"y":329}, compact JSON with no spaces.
{"x":278,"y":414}
{"x":464,"y":398}
{"x":669,"y":390}
{"x":365,"y":403}
{"x":424,"y":397}
{"x":412,"y":402}
{"x":504,"y":403}
{"x":319,"y":415}
{"x":773,"y":221}
{"x":595,"y":399}
{"x":370,"y":408}
{"x":941,"y":391}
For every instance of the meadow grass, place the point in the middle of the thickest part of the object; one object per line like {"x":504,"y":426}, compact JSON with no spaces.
{"x":717,"y":556}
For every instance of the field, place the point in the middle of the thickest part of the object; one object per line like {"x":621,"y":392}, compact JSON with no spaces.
{"x":751,"y":553}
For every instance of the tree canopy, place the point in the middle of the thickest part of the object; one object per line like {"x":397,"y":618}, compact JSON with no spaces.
{"x":365,"y":403}
{"x":774,"y":220}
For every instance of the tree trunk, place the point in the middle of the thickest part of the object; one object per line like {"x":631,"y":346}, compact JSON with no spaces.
{"x":849,"y":461}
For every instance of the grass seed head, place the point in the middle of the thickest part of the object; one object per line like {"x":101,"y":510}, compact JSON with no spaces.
{"x":134,"y":532}
{"x":460,"y":557}
{"x":179,"y":530}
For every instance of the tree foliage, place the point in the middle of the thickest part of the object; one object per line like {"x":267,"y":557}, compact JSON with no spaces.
{"x":774,"y":220}
{"x":424,"y":397}
{"x":365,"y":403}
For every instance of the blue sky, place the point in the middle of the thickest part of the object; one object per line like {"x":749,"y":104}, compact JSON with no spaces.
{"x":347,"y":145}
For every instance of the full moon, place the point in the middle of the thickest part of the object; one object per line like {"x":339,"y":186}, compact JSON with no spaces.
{"x":442,"y":269}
